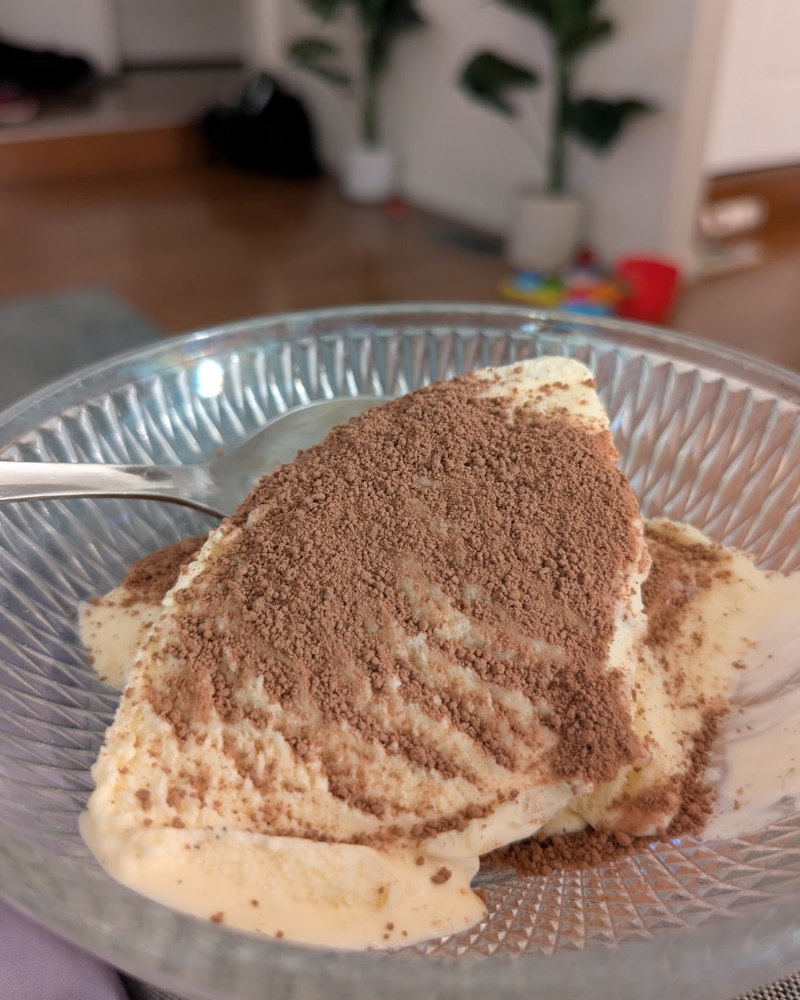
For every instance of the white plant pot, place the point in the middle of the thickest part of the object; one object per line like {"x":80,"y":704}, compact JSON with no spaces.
{"x":368,"y":176}
{"x":544,"y":232}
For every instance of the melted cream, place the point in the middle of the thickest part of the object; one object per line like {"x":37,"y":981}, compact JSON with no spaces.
{"x":114,"y":631}
{"x":333,"y":895}
{"x":758,"y":774}
{"x":715,"y":633}
{"x":747,"y":653}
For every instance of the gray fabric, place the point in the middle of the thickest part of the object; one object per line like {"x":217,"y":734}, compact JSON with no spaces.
{"x":48,"y":336}
{"x":36,"y":965}
{"x":783,"y":989}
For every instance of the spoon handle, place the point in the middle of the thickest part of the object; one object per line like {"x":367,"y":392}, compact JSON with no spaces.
{"x":182,"y":484}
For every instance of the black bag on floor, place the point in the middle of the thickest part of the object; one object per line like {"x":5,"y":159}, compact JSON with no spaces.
{"x":267,"y":132}
{"x":42,"y":71}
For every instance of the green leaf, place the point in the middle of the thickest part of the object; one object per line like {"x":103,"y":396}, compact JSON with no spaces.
{"x":369,"y":12}
{"x":540,"y":10}
{"x":571,"y":14}
{"x":488,"y":77}
{"x":312,"y":55}
{"x":386,"y":19}
{"x":328,"y":10}
{"x":584,"y":35}
{"x":599,"y":123}
{"x":312,"y":49}
{"x":332,"y":75}
{"x":572,"y":24}
{"x":399,"y":16}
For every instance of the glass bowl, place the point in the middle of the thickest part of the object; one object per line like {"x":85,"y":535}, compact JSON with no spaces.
{"x":706,"y":435}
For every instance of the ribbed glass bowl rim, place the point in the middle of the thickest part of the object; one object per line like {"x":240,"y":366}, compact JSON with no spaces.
{"x":716,"y":959}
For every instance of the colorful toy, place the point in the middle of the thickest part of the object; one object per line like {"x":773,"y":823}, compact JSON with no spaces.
{"x":641,"y":288}
{"x":584,"y":288}
{"x":650,"y":286}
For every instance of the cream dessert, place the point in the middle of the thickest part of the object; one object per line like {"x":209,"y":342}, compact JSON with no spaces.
{"x":115,"y":626}
{"x":422,"y":641}
{"x":414,"y":644}
{"x":717,"y":703}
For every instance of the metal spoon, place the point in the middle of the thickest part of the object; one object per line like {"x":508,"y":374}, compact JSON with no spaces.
{"x":216,"y":487}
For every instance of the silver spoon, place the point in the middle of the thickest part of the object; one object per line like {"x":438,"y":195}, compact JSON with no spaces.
{"x":216,"y":487}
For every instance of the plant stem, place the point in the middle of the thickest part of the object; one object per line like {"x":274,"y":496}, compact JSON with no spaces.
{"x":557,"y":161}
{"x":369,"y":103}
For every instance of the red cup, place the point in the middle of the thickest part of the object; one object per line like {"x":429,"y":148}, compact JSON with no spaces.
{"x":650,"y":285}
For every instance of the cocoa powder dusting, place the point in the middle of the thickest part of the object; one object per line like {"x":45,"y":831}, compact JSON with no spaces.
{"x":151,"y":577}
{"x":696,"y":794}
{"x":145,"y":798}
{"x":592,"y":848}
{"x":584,"y":849}
{"x":677,"y":575}
{"x":441,"y":502}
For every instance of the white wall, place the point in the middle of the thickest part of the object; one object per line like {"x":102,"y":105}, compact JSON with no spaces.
{"x":153,"y":31}
{"x":85,"y":27}
{"x":459,"y":157}
{"x":466,"y":162}
{"x":263,"y":33}
{"x":644,"y":194}
{"x":755,"y":118}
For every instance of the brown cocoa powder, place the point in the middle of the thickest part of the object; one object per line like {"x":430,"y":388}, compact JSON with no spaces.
{"x":678,"y":573}
{"x":593,"y":848}
{"x":150,"y":578}
{"x":441,"y":499}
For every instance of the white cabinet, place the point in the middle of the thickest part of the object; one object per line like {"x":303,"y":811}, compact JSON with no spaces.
{"x":755,"y":119}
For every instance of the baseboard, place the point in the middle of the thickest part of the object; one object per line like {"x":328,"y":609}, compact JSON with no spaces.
{"x":181,"y":65}
{"x":102,"y":155}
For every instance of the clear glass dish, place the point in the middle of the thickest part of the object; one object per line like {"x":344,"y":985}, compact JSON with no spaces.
{"x":706,"y":435}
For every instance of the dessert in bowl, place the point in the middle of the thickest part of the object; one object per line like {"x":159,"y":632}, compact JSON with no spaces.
{"x":681,"y":458}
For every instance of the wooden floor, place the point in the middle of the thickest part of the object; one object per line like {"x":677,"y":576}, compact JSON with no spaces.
{"x":756,"y":310}
{"x":199,"y":246}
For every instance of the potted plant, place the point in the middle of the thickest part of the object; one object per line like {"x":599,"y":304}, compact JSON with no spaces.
{"x":369,"y":167}
{"x":545,"y":224}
